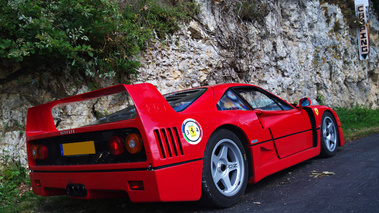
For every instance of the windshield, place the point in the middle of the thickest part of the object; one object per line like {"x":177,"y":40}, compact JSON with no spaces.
{"x":124,"y":114}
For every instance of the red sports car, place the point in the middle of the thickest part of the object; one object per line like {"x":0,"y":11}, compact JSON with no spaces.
{"x":206,"y":142}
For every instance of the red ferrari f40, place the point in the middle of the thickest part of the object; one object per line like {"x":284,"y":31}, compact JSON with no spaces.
{"x":203,"y":143}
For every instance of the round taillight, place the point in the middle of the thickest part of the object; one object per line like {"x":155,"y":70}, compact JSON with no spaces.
{"x":34,"y":152}
{"x":42,"y":152}
{"x":133,"y":143}
{"x":116,"y":146}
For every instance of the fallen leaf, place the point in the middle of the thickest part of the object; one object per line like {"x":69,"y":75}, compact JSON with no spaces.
{"x":316,"y":174}
{"x":328,"y":173}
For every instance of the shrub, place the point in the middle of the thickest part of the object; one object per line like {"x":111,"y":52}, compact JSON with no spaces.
{"x":97,"y":37}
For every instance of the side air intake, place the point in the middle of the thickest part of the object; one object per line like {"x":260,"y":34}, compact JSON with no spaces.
{"x":169,"y":142}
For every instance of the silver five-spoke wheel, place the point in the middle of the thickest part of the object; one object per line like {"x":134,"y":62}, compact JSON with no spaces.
{"x":329,"y":135}
{"x":227,"y":167}
{"x":225,"y":170}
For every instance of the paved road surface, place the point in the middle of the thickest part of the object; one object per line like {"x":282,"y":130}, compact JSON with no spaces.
{"x":351,"y":186}
{"x":354,"y":186}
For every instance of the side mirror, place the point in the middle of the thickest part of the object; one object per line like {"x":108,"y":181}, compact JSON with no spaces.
{"x":304,"y":102}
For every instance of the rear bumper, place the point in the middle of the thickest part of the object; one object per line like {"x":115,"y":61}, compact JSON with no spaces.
{"x":175,"y":183}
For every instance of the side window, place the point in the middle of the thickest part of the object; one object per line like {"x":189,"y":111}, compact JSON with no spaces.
{"x":259,"y":100}
{"x":229,"y":101}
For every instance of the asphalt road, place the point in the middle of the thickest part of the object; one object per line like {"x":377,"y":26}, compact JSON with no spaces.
{"x":351,"y":186}
{"x":350,"y":183}
{"x":347,"y":182}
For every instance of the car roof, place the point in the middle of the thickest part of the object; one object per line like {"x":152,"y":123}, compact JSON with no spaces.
{"x":211,"y":96}
{"x":228,"y":85}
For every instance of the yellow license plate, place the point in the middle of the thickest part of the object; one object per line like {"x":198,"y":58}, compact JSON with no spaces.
{"x":79,"y":148}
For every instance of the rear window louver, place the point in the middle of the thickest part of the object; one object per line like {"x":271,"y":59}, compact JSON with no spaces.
{"x":168,"y":142}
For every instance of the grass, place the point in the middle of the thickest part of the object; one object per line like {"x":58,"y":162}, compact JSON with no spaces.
{"x":16,"y":195}
{"x":358,"y":121}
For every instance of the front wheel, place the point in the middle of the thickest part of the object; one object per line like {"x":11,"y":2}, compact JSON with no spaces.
{"x":225,"y":170}
{"x":329,"y":135}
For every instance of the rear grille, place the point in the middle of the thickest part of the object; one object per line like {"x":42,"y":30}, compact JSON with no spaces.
{"x":169,"y":142}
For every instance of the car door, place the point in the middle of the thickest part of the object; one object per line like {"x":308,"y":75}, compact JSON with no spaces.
{"x":290,"y":128}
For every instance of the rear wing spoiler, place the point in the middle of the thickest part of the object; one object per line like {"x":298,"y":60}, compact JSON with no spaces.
{"x":147,"y":100}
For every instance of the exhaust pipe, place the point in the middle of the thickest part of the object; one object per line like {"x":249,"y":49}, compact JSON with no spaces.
{"x":76,"y":190}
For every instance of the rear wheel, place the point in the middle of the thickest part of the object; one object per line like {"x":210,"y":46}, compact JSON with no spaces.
{"x":329,"y":135}
{"x":225,"y":170}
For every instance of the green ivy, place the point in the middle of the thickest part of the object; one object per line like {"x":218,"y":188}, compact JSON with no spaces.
{"x":96,"y":37}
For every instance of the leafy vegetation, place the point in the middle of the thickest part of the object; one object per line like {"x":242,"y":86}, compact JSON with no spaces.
{"x":320,"y":99}
{"x":98,"y":37}
{"x":14,"y":182}
{"x":249,"y":10}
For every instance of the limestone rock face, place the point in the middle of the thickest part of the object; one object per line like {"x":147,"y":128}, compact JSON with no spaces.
{"x":291,"y":48}
{"x":293,"y":51}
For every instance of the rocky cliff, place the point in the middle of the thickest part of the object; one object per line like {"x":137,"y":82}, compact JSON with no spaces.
{"x":293,"y":48}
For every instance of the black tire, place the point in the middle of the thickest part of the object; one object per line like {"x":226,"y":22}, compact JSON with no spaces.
{"x":225,"y":158}
{"x":329,"y":135}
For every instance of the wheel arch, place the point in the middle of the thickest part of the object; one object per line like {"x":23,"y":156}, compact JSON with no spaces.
{"x":245,"y":142}
{"x":338,"y":123}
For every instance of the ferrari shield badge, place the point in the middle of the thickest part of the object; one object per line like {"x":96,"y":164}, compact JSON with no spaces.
{"x":192,"y":131}
{"x":316,"y":111}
